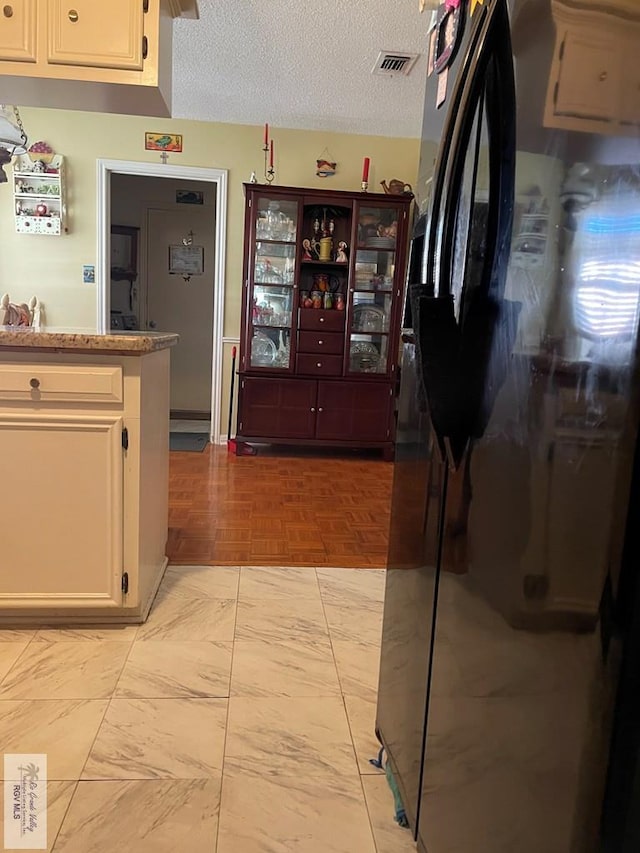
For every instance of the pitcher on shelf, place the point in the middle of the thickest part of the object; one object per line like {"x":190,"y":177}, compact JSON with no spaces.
{"x":325,"y":248}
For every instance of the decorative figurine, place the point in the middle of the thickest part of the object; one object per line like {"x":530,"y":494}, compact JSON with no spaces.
{"x":307,"y":254}
{"x":341,"y":255}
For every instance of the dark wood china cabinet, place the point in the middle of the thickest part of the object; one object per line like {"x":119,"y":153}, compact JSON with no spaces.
{"x":322,"y":286}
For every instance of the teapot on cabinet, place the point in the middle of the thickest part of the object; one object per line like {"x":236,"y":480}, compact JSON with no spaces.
{"x":396,"y":187}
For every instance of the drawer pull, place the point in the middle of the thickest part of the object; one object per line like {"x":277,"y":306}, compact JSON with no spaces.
{"x":73,"y":16}
{"x":7,"y":11}
{"x":35,"y":383}
{"x":321,"y":319}
{"x":320,"y":343}
{"x":319,"y":364}
{"x":603,"y":76}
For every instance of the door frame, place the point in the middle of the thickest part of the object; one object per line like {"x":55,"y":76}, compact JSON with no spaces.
{"x":219,"y":177}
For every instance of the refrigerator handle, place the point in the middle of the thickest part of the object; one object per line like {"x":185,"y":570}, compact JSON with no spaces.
{"x":491,"y":72}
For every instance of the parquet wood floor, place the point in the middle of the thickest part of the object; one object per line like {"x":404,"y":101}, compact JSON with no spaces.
{"x":283,"y":507}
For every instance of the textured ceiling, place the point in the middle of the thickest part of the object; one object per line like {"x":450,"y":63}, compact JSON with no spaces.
{"x":301,"y":65}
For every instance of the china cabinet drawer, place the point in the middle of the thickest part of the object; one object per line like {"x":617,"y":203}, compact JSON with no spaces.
{"x":321,"y":342}
{"x":60,"y":384}
{"x":317,"y":319}
{"x":319,"y":365}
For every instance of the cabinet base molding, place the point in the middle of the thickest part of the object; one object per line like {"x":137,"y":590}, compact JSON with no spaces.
{"x":67,"y":615}
{"x":243,"y":442}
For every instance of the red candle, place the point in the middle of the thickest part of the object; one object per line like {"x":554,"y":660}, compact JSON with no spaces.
{"x":365,"y":169}
{"x":271,"y":156}
{"x":266,"y":134}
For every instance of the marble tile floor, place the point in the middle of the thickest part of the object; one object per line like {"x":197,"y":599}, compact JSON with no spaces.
{"x":238,"y":719}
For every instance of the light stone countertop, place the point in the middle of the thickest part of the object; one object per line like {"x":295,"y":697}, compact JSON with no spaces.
{"x":27,"y":338}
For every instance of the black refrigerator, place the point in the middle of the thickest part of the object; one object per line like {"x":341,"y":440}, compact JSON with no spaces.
{"x":509,"y":695}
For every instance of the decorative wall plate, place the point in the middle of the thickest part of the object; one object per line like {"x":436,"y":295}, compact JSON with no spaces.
{"x":449,"y":29}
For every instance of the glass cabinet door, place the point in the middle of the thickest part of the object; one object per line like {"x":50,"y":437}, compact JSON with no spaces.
{"x":272,"y":283}
{"x":372,"y":293}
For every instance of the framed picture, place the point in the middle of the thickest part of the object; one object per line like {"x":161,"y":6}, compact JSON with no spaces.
{"x":189,"y":197}
{"x":186,"y":260}
{"x":124,"y":252}
{"x":163,"y":142}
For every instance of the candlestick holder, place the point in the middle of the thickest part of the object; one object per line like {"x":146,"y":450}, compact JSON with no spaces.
{"x":269,"y":174}
{"x":365,"y":186}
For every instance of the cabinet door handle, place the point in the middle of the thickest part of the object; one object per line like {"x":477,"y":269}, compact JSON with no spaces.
{"x":145,"y":47}
{"x":312,"y":409}
{"x":321,"y":409}
{"x":603,"y":76}
{"x":35,"y":383}
{"x":7,"y":11}
{"x":73,"y":16}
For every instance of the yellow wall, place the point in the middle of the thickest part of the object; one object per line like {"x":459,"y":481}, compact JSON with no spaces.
{"x":52,"y":267}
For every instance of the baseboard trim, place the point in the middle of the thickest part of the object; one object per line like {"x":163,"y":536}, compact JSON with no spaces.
{"x":188,"y":415}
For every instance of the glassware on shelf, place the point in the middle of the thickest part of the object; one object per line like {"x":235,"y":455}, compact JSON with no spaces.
{"x":276,"y":224}
{"x":368,"y":353}
{"x":283,"y":353}
{"x":263,"y":350}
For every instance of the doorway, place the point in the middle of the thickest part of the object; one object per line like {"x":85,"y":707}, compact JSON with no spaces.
{"x":171,"y":235}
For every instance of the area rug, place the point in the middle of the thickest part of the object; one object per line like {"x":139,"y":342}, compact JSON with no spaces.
{"x":194,"y":442}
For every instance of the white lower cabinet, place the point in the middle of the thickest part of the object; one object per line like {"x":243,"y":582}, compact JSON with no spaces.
{"x":66,"y":488}
{"x":83,"y":487}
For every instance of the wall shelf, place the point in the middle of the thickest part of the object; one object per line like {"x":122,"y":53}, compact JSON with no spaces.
{"x":39,"y":195}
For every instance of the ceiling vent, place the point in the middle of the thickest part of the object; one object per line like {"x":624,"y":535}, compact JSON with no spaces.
{"x":391,"y":62}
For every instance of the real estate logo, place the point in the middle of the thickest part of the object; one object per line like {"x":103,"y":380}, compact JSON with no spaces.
{"x":25,"y":801}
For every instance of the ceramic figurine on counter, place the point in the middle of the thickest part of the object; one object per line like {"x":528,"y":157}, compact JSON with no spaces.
{"x":19,"y":314}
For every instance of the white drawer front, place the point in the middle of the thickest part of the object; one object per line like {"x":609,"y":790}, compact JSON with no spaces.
{"x":60,"y":383}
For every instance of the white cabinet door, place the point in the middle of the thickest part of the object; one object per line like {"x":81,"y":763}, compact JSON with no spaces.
{"x":631,"y":83}
{"x":18,"y":31}
{"x":589,"y":76}
{"x":102,"y":35}
{"x":61,"y":482}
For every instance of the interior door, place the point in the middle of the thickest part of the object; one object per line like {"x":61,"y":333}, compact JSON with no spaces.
{"x":174,"y":304}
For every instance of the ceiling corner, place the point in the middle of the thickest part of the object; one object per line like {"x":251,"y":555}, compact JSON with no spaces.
{"x":184,"y":9}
